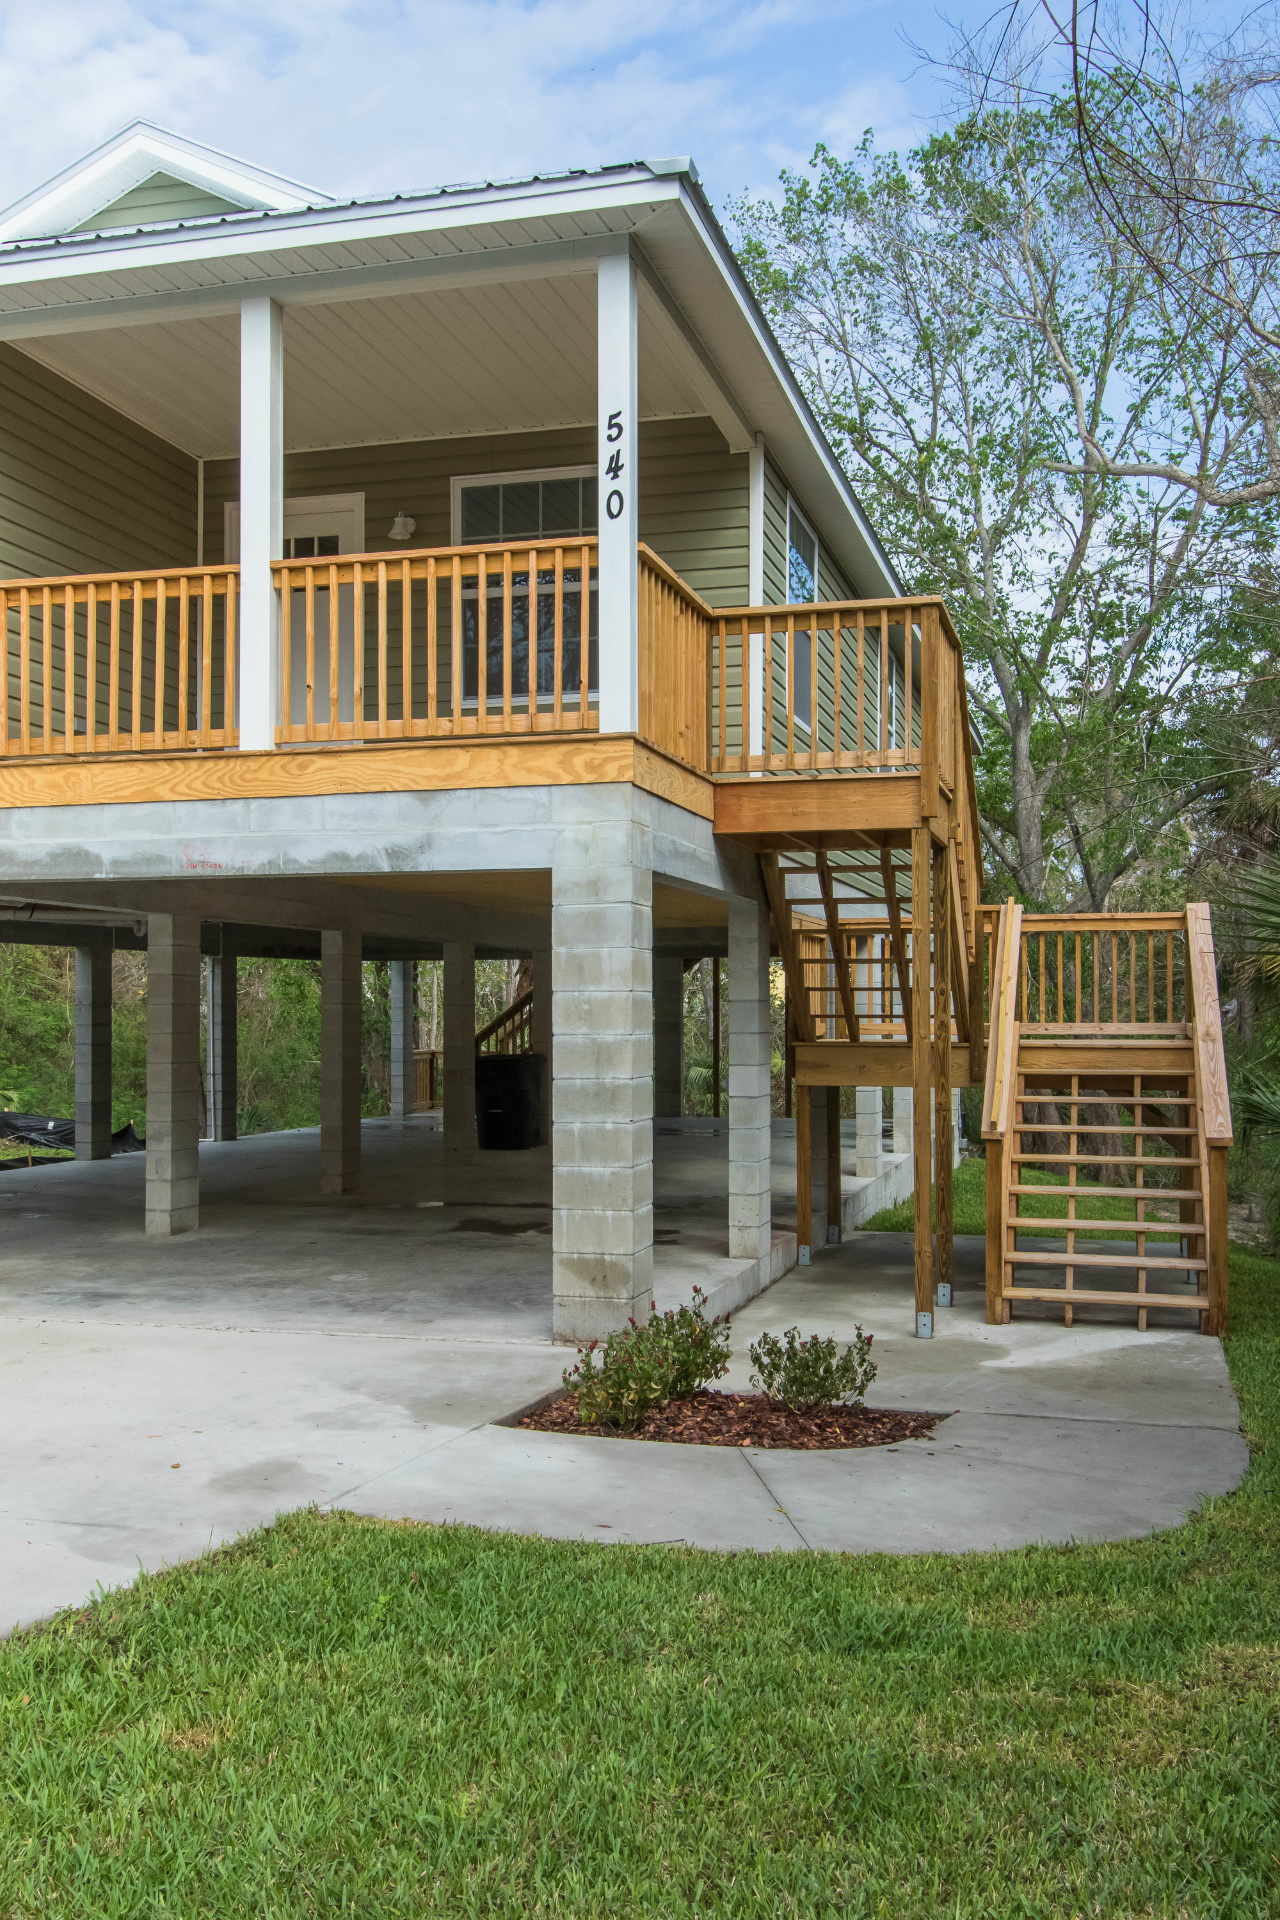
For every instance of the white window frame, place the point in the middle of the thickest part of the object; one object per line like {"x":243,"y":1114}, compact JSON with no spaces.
{"x":793,"y":510}
{"x":310,"y":506}
{"x":460,"y":480}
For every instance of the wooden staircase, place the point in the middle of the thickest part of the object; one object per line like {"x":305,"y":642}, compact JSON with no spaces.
{"x":1106,"y":1096}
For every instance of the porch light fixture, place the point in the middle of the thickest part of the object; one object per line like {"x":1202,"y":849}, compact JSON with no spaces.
{"x":402,"y":527}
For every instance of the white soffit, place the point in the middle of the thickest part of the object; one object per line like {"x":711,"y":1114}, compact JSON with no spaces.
{"x":88,"y":186}
{"x":515,"y":357}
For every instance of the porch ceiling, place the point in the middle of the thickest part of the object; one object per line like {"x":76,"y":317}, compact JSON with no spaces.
{"x":514,"y":357}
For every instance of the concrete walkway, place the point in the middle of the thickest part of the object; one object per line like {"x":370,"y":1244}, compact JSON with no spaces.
{"x":160,"y":1397}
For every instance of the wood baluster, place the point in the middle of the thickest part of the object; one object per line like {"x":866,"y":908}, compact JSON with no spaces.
{"x":860,"y":744}
{"x":230,"y":645}
{"x":813,"y":690}
{"x":584,"y":645}
{"x":1060,"y":982}
{"x":791,"y":691}
{"x":455,"y":647}
{"x":482,"y":643}
{"x":113,"y":670}
{"x":335,"y":690}
{"x":433,"y":648}
{"x":406,"y":648}
{"x":1041,"y":1006}
{"x":557,"y":645}
{"x":837,"y":719}
{"x":309,"y":638}
{"x":533,"y":639}
{"x":1168,"y":976}
{"x":1024,"y":1010}
{"x":135,"y":670}
{"x":162,"y":663}
{"x":24,"y":670}
{"x":767,"y":743}
{"x":357,"y":650}
{"x":883,"y":740}
{"x":1133,"y":977}
{"x":383,"y":669}
{"x":91,"y":669}
{"x":1151,"y":978}
{"x":286,"y":651}
{"x":46,"y":665}
{"x":1115,"y":977}
{"x":68,"y":670}
{"x":206,"y":663}
{"x":184,"y":659}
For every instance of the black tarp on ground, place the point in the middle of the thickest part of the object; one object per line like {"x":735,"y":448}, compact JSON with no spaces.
{"x":39,"y":1130}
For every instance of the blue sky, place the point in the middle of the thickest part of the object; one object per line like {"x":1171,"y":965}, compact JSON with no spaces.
{"x":358,"y":98}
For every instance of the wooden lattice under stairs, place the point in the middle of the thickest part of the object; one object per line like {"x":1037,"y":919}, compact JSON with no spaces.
{"x":1106,"y":1096}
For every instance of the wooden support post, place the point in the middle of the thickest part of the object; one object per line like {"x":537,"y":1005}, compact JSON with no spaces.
{"x":715,"y":1038}
{"x":804,"y":1179}
{"x":1215,"y":1321}
{"x":941,"y":1065}
{"x":896,"y":936}
{"x":922,"y":1073}
{"x":833,"y":1164}
{"x":995,"y":1232}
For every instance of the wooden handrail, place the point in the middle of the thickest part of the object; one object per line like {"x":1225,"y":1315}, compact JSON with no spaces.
{"x":997,"y":1102}
{"x":514,"y":1023}
{"x":1211,"y":1066}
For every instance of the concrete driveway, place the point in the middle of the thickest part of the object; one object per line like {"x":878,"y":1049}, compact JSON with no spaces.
{"x":159,"y":1398}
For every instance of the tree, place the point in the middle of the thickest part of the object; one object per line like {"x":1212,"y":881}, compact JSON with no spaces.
{"x":971,"y":334}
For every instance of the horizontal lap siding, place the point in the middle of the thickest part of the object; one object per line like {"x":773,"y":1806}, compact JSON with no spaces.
{"x":82,"y":489}
{"x":695,"y":507}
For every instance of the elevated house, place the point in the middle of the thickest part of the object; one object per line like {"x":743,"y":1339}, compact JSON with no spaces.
{"x":463,"y":572}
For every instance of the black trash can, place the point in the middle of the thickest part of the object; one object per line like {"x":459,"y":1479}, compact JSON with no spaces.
{"x":509,"y":1100}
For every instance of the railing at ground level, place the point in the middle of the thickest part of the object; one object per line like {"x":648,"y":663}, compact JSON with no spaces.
{"x":120,"y":663}
{"x":1085,"y":973}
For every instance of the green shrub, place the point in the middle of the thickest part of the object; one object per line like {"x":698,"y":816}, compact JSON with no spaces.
{"x":642,"y":1366}
{"x":807,"y":1374}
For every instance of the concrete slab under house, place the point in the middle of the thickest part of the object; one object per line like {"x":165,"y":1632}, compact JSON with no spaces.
{"x":462,"y":574}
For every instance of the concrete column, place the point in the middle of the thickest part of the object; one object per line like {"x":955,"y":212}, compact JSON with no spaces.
{"x":220,"y":1042}
{"x":903,"y":1119}
{"x":542,"y":1030}
{"x":602,"y":1133}
{"x":93,"y":1053}
{"x":955,"y":1126}
{"x":459,"y":1054}
{"x":869,"y":1131}
{"x":750,"y":1040}
{"x":618,"y":449}
{"x":404,"y":980}
{"x":668,"y":1037}
{"x":173,"y":1073}
{"x":261,"y":516}
{"x":340,"y":1023}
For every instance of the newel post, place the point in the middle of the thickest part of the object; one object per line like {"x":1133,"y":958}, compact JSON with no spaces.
{"x":261,"y":516}
{"x":618,"y":468}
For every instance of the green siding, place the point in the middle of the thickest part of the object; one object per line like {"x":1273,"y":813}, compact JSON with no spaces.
{"x":775,"y":537}
{"x":693,"y":491}
{"x":159,"y":198}
{"x":82,"y":488}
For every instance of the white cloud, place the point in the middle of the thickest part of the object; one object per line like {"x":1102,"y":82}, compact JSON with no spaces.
{"x":356,"y":98}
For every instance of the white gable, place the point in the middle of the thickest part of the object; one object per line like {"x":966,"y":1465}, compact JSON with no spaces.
{"x":69,"y":202}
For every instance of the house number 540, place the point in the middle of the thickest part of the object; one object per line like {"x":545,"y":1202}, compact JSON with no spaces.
{"x":614,"y":465}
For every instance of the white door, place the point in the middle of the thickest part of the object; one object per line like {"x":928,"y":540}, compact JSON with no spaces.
{"x":317,"y":527}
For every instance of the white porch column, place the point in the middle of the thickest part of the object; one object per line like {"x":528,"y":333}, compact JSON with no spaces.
{"x":602,"y":1088}
{"x":904,"y":1105}
{"x":173,"y":1073}
{"x":261,"y":516}
{"x":340,"y":1023}
{"x":221,"y":1036}
{"x":668,"y":1036}
{"x":618,"y":453}
{"x":459,"y":1060}
{"x":93,"y":1053}
{"x":750,"y":1134}
{"x":404,"y":976}
{"x":868,"y":1131}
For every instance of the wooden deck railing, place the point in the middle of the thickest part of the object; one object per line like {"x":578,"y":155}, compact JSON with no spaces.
{"x":845,"y":686}
{"x":107,"y":663}
{"x":437,"y":643}
{"x":1091,"y":973}
{"x":512,"y":1031}
{"x":675,"y":635}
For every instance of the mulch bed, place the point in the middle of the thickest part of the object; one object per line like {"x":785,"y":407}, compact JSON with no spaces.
{"x":709,"y":1418}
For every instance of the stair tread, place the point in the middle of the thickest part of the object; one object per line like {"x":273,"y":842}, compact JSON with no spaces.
{"x":1099,"y":1297}
{"x":1060,"y":1258}
{"x":1054,"y":1223}
{"x":1101,"y":1159}
{"x":1093,"y":1192}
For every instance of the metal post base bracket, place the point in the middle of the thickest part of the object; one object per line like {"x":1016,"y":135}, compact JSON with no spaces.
{"x":803,"y":1253}
{"x":924,"y":1326}
{"x":944,"y":1293}
{"x":833,"y":1236}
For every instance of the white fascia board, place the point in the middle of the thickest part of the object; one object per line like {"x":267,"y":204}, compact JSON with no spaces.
{"x":131,"y":157}
{"x":229,"y":238}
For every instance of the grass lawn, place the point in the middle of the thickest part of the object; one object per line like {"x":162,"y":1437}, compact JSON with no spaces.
{"x":345,"y":1717}
{"x":969,"y":1199}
